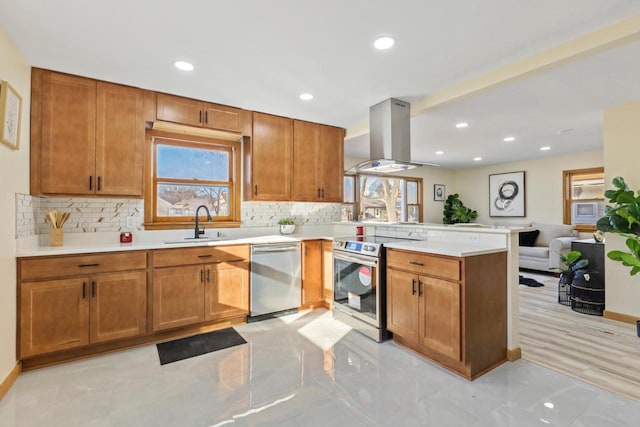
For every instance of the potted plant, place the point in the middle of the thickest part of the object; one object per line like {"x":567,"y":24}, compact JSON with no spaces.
{"x":622,"y":216}
{"x":573,"y":262}
{"x":287,"y":226}
{"x":456,"y":212}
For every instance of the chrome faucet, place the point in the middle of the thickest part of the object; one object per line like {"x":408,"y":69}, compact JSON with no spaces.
{"x":197,"y":231}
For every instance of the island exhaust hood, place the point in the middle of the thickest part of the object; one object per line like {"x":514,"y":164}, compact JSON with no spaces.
{"x":389,"y":139}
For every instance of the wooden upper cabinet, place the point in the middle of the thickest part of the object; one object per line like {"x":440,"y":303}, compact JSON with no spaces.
{"x":271,"y":158}
{"x":63,"y":138}
{"x":86,"y":136}
{"x":331,"y":163}
{"x":306,"y":144}
{"x":318,"y":162}
{"x":176,"y":109}
{"x":119,"y":140}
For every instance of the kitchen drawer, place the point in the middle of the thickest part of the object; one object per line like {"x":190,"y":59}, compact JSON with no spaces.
{"x":447,"y":268}
{"x":200,"y":255}
{"x":62,"y":266}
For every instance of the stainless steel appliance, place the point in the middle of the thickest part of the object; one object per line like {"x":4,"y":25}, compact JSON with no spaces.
{"x":275,"y":278}
{"x":359,"y":291}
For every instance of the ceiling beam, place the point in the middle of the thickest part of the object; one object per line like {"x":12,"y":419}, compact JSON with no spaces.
{"x":616,"y":35}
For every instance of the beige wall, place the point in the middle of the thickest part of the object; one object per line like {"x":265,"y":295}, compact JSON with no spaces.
{"x":543,"y":183}
{"x":621,"y":154}
{"x":430,"y":175}
{"x":14,"y":176}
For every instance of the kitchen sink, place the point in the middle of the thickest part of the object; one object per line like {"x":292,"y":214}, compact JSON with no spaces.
{"x":193,"y":240}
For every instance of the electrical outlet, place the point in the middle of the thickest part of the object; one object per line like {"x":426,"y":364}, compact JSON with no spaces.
{"x":132,"y":222}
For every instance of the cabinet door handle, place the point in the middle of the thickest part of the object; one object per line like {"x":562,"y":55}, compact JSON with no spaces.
{"x":208,"y":275}
{"x":323,"y":193}
{"x":419,"y":288}
{"x":206,"y":117}
{"x":202,"y":276}
{"x":87,"y":265}
{"x":256,"y":191}
{"x":416,"y":263}
{"x":200,"y":118}
{"x":205,"y":256}
{"x":99,"y":182}
{"x":84,"y":290}
{"x":318,"y":193}
{"x":93,"y":289}
{"x":413,"y":286}
{"x":90,"y":183}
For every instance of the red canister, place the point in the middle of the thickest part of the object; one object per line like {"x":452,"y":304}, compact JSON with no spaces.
{"x":359,"y":230}
{"x":126,"y":237}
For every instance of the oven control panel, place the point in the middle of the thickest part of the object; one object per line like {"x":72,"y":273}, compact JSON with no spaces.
{"x":364,"y":248}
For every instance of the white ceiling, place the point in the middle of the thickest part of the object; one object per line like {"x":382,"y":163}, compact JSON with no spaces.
{"x":261,"y":55}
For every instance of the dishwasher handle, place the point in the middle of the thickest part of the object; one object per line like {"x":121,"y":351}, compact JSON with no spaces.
{"x":274,"y":248}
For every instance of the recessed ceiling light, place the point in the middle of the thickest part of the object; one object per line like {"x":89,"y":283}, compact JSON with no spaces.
{"x":383,"y":43}
{"x":477,"y":159}
{"x":183,"y":65}
{"x":462,"y":125}
{"x":439,"y":153}
{"x":545,"y":148}
{"x":306,"y":96}
{"x":509,"y":139}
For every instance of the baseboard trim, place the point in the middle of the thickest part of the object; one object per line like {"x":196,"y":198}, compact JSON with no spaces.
{"x":514,"y":354}
{"x":11,"y":378}
{"x":620,"y":317}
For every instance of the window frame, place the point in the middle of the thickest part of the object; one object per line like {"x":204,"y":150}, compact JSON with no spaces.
{"x":151,"y":220}
{"x":567,"y":198}
{"x":419,"y":194}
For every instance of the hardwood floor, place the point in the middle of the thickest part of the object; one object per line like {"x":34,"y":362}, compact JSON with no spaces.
{"x":600,"y":351}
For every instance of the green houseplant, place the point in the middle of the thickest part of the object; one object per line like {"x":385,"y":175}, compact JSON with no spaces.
{"x":622,"y":216}
{"x":287,"y":226}
{"x":456,"y":212}
{"x":572,"y":263}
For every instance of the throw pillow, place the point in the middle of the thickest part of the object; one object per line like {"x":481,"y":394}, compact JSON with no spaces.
{"x":528,"y":238}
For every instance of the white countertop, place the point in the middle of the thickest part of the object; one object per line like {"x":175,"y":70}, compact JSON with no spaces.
{"x":456,"y":249}
{"x":79,"y":245}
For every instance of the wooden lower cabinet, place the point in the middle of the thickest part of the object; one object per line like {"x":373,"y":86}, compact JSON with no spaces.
{"x":312,"y":290}
{"x":66,"y":313}
{"x":327,"y":272}
{"x":178,"y":296}
{"x":227,"y":291}
{"x":54,"y":315}
{"x":459,"y":324}
{"x":202,"y":292}
{"x":118,"y":306}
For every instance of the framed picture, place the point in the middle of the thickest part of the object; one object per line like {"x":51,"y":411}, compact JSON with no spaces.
{"x":507,"y":194}
{"x":10,"y":114}
{"x":438,"y":192}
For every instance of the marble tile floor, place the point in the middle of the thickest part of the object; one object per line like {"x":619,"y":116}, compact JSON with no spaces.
{"x":303,"y":370}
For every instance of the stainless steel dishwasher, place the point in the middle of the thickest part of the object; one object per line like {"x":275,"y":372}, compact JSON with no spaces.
{"x":275,"y":278}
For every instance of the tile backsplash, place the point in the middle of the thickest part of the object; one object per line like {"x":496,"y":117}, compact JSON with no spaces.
{"x":91,"y":215}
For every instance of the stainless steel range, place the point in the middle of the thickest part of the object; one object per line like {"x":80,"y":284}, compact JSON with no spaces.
{"x":359,"y":291}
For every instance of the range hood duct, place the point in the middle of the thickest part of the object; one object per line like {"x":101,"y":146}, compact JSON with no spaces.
{"x":389,"y":138}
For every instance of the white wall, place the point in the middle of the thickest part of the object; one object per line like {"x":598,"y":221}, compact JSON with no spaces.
{"x":14,"y":176}
{"x":621,"y":154}
{"x":430,"y":175}
{"x":543,"y":183}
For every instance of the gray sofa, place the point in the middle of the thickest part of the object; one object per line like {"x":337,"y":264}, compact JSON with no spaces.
{"x":552,"y":240}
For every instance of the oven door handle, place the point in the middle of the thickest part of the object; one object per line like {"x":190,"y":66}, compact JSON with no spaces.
{"x":362,"y":261}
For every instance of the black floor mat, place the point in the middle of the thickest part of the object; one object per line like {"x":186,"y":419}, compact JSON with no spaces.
{"x":184,"y":348}
{"x":530,"y":282}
